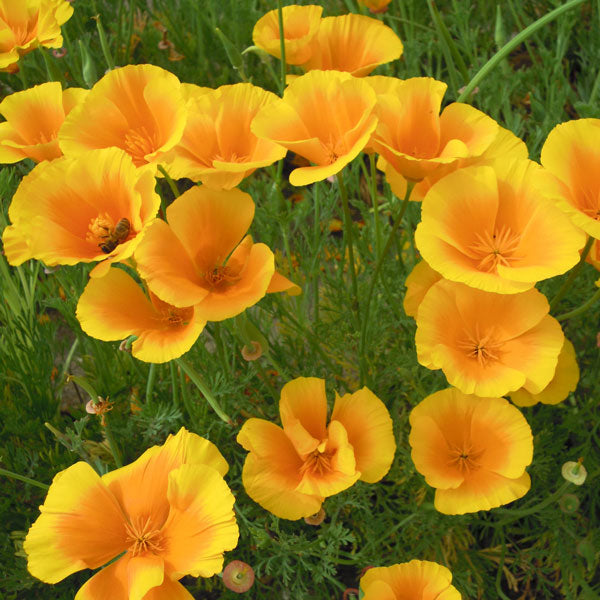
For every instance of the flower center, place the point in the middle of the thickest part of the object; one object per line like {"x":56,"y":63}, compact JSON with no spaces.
{"x":496,"y":249}
{"x":177,"y":317}
{"x":234,"y":157}
{"x":465,"y":458}
{"x":139,"y":142}
{"x":142,"y":538}
{"x":482,"y":347}
{"x":103,"y":232}
{"x":221,"y":276}
{"x":318,"y":462}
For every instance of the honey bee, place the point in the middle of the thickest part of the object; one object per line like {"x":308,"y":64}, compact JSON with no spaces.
{"x":117,"y":236}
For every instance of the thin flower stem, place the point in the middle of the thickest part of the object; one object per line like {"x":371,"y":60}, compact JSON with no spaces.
{"x":28,"y":480}
{"x":349,"y":242}
{"x":174,"y":386}
{"x":375,"y":202}
{"x":114,"y":449}
{"x":573,"y":274}
{"x":576,"y":312}
{"x":204,"y":390}
{"x":316,"y":249}
{"x":185,"y":395}
{"x":169,"y":181}
{"x":379,"y":264}
{"x":150,"y":381}
{"x":512,"y":44}
{"x":282,"y":47}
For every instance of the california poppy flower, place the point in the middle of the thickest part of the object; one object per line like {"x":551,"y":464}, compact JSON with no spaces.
{"x":217,"y":146}
{"x":571,"y":153}
{"x":201,"y":257}
{"x":352,"y":43}
{"x":169,"y":514}
{"x":300,"y":24}
{"x":27,"y":24}
{"x":375,"y":6}
{"x":415,"y":140}
{"x":414,"y":580}
{"x":81,"y":209}
{"x":324,"y":116}
{"x":489,"y":238}
{"x":33,"y":118}
{"x":418,"y":283}
{"x":472,"y":450}
{"x":488,"y":344}
{"x":138,"y":108}
{"x":291,"y":470}
{"x":163,"y":331}
{"x":565,"y":380}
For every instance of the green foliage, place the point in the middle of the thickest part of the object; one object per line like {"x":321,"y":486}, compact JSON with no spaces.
{"x":530,"y":549}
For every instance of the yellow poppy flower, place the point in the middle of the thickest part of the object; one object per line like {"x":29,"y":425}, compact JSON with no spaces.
{"x":139,"y":108}
{"x":86,"y":208}
{"x":168,"y":514}
{"x":488,"y":344}
{"x":324,"y":116}
{"x":27,"y":24}
{"x":289,"y":471}
{"x":33,"y":118}
{"x":414,"y":580}
{"x":300,"y":24}
{"x":490,"y":237}
{"x":217,"y":146}
{"x":472,"y":450}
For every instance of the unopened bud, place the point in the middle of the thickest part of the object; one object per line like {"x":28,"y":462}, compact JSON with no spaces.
{"x":238,"y":576}
{"x":252,"y":352}
{"x":316,"y":519}
{"x":574,"y":472}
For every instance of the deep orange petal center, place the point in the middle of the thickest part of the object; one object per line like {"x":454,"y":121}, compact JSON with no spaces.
{"x":485,"y":348}
{"x":143,"y":538}
{"x":105,"y":234}
{"x":139,"y":142}
{"x":464,"y":457}
{"x":497,"y":248}
{"x":318,"y":462}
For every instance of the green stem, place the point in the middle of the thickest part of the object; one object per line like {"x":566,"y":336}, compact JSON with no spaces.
{"x":316,"y":250}
{"x":129,"y":32}
{"x":185,"y":395}
{"x":150,"y":381}
{"x":104,"y":43}
{"x":573,"y":274}
{"x":380,"y":259}
{"x":203,"y":387}
{"x":23,"y":478}
{"x":114,"y":449}
{"x":169,"y":181}
{"x":582,"y":309}
{"x":375,"y":202}
{"x":349,"y":242}
{"x":174,"y":387}
{"x":512,"y":44}
{"x":281,"y":47}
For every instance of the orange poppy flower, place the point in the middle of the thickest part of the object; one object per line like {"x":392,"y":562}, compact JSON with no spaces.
{"x":418,"y":283}
{"x":490,"y":237}
{"x":324,"y":116}
{"x":290,"y":471}
{"x":415,"y":140}
{"x":169,"y":513}
{"x":217,"y":146}
{"x":414,"y":580}
{"x":472,"y":450}
{"x":565,"y":380}
{"x":33,"y":118}
{"x":163,"y":331}
{"x":300,"y":24}
{"x":200,"y":259}
{"x":375,"y":6}
{"x":571,"y":153}
{"x":27,"y":24}
{"x":488,"y":344}
{"x":353,"y":43}
{"x":81,"y":209}
{"x":138,"y":108}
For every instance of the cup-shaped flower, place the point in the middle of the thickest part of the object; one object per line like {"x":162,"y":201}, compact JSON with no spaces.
{"x":217,"y":146}
{"x":27,"y":24}
{"x":170,"y":513}
{"x":289,"y":471}
{"x":489,"y":238}
{"x":81,"y":209}
{"x":200,"y":259}
{"x":138,"y":108}
{"x":375,"y":6}
{"x":415,"y":140}
{"x":33,"y":118}
{"x":300,"y":24}
{"x":472,"y":450}
{"x":565,"y":380}
{"x":113,"y":307}
{"x":353,"y":43}
{"x":418,"y":283}
{"x":414,"y":580}
{"x":572,"y":154}
{"x":488,"y":344}
{"x":324,"y":116}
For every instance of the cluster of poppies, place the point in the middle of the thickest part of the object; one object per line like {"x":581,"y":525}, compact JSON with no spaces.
{"x":485,"y":207}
